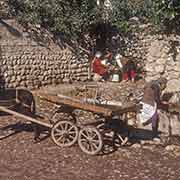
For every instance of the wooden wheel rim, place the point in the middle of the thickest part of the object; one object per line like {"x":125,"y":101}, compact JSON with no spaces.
{"x":64,"y":133}
{"x":90,"y":140}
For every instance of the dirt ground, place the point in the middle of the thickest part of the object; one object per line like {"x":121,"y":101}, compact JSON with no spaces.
{"x":23,"y":159}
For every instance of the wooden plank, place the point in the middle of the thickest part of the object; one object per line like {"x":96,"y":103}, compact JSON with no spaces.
{"x":77,"y":104}
{"x":117,"y":107}
{"x":24,"y":117}
{"x":126,"y":108}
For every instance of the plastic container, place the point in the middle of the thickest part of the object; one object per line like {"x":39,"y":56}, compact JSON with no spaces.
{"x":115,"y":77}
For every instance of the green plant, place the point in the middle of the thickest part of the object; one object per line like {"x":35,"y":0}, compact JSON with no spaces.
{"x":70,"y":17}
{"x":74,"y":18}
{"x":166,"y":13}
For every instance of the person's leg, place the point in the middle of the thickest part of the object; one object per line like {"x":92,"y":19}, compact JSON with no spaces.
{"x":132,"y":75}
{"x":125,"y":76}
{"x":106,"y":76}
{"x":97,"y":77}
{"x":154,"y":120}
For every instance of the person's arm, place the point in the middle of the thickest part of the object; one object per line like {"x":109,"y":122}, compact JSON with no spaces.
{"x":104,"y":65}
{"x":164,"y":105}
{"x":92,"y":62}
{"x":109,"y":56}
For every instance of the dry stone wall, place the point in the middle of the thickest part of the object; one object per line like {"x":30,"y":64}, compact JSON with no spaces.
{"x":3,"y":8}
{"x":165,"y":61}
{"x":23,"y":62}
{"x":160,"y":56}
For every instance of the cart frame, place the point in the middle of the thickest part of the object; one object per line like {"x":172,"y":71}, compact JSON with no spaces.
{"x":65,"y":133}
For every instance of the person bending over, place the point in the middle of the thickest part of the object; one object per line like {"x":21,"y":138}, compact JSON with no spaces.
{"x":151,"y":101}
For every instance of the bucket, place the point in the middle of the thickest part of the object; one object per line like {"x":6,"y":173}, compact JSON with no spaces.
{"x":115,"y":78}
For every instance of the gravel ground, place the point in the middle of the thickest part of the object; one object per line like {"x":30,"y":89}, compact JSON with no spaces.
{"x":22,"y":159}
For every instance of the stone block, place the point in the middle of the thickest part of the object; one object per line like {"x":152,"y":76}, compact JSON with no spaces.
{"x":10,"y":73}
{"x":159,"y":68}
{"x":83,"y":78}
{"x":22,"y":84}
{"x":7,"y":80}
{"x":173,"y":85}
{"x":173,"y":75}
{"x":149,"y":67}
{"x":13,"y":78}
{"x":74,"y":66}
{"x":169,"y":123}
{"x":85,"y":69}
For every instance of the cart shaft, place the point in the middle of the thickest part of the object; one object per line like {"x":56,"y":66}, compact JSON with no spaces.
{"x":14,"y":113}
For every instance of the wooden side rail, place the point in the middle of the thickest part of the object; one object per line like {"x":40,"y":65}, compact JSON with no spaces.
{"x":75,"y":103}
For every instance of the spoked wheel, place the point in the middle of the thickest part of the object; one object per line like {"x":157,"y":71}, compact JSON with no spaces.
{"x":104,"y":128}
{"x":90,"y":140}
{"x":64,"y":133}
{"x":108,"y":133}
{"x":120,"y":140}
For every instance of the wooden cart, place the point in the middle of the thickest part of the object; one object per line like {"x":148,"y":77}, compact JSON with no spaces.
{"x":66,"y":132}
{"x":90,"y":135}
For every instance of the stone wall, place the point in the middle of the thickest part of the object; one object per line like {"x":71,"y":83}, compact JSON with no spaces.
{"x":163,"y":59}
{"x":23,"y":62}
{"x":4,"y":8}
{"x":160,"y":56}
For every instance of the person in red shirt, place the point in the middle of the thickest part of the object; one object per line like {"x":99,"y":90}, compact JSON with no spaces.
{"x":98,"y":67}
{"x":129,"y":69}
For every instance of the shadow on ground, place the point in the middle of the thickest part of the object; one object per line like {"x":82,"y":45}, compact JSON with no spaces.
{"x":13,"y":129}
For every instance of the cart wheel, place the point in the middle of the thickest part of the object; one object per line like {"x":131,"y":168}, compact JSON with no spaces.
{"x":90,"y":140}
{"x":120,"y":140}
{"x":64,"y":133}
{"x":117,"y":138}
{"x":105,"y":130}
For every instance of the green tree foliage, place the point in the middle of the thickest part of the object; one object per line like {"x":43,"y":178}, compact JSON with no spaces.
{"x":70,"y":17}
{"x":74,"y":17}
{"x":166,"y":13}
